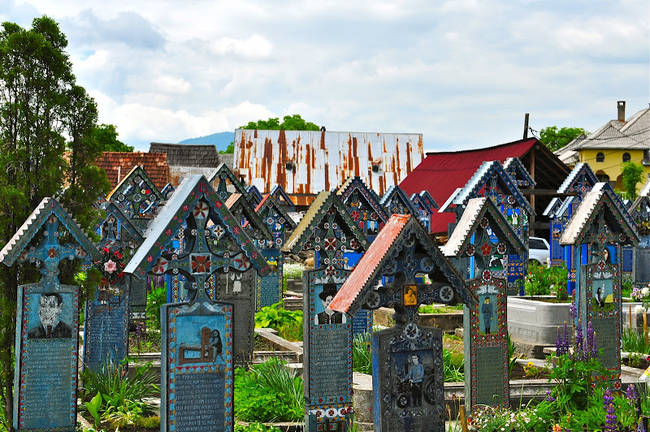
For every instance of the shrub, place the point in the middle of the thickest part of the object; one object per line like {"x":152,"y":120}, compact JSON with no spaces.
{"x":541,"y":280}
{"x":269,"y":392}
{"x":275,"y":316}
{"x":291,"y":271}
{"x":362,"y":353}
{"x":255,"y":427}
{"x":634,"y":341}
{"x":155,"y":299}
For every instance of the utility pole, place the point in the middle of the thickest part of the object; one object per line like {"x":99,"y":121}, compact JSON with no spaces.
{"x":526,"y":125}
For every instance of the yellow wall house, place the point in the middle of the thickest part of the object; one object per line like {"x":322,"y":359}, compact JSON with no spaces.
{"x":606,"y":150}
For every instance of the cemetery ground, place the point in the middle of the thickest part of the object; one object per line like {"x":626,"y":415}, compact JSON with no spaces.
{"x":271,"y":390}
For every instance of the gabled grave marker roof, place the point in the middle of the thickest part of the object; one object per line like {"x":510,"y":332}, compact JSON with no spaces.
{"x":171,"y":218}
{"x":640,"y":204}
{"x":427,"y":197}
{"x":224,"y":173}
{"x":580,"y":171}
{"x":111,"y":208}
{"x":268,"y":202}
{"x":237,"y":204}
{"x":316,"y":212}
{"x":519,"y":173}
{"x":599,"y":198}
{"x":363,"y":278}
{"x":645,"y":190}
{"x":421,"y":203}
{"x":123,"y":184}
{"x":356,"y":184}
{"x":476,"y":209}
{"x":552,"y":207}
{"x":395,"y":193}
{"x":450,"y":201}
{"x":22,"y":238}
{"x":486,"y":171}
{"x":282,"y":198}
{"x":254,"y":195}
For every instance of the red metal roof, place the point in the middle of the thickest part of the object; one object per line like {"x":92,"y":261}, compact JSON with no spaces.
{"x":439,"y":222}
{"x":368,"y":263}
{"x":118,"y":164}
{"x":441,"y":173}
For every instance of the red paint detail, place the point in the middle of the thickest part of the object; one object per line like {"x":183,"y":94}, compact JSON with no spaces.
{"x":368,"y":263}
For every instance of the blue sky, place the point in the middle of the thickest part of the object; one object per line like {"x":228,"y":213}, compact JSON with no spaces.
{"x":461,"y":72}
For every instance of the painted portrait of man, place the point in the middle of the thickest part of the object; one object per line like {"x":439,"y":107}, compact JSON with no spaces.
{"x":50,"y":306}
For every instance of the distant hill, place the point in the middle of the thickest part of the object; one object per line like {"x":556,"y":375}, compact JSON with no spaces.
{"x":219,"y":139}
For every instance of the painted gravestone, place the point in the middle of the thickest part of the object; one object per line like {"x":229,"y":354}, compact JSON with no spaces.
{"x":640,"y":212}
{"x":491,"y":181}
{"x":197,"y":376}
{"x":370,"y":216}
{"x":407,"y":359}
{"x":45,"y":380}
{"x":259,"y":233}
{"x":579,"y":181}
{"x":596,"y":231}
{"x":395,"y":201}
{"x":282,"y":198}
{"x":487,"y":239}
{"x":214,"y":246}
{"x":281,"y":226}
{"x":254,"y":195}
{"x":138,"y":197}
{"x":106,"y":326}
{"x":226,"y":183}
{"x":426,"y":206}
{"x":328,"y":230}
{"x":556,"y":252}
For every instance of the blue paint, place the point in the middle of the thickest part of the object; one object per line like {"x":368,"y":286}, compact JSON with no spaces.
{"x":376,"y":369}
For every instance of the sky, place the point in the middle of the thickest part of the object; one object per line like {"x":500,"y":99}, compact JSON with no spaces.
{"x":461,"y":72}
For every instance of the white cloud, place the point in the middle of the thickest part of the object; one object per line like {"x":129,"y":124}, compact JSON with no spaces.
{"x":255,"y":46}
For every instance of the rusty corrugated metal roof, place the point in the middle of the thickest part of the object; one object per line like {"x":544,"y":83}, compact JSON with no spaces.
{"x":305,"y":163}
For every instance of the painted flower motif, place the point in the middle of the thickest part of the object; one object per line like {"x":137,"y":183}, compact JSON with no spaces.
{"x":470,"y":250}
{"x":110,"y":266}
{"x":501,"y":248}
{"x":486,"y":249}
{"x":355,"y":215}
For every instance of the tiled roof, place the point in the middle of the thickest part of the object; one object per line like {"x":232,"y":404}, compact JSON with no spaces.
{"x":119,"y":164}
{"x":188,"y":155}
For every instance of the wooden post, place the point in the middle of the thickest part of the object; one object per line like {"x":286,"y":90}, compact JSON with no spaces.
{"x":645,"y":326}
{"x":463,"y":419}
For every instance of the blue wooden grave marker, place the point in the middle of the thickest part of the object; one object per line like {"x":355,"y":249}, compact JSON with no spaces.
{"x":214,"y":247}
{"x":407,"y":359}
{"x":45,"y":379}
{"x":106,"y":326}
{"x":327,"y":229}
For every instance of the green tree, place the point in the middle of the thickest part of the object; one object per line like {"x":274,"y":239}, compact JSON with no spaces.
{"x":555,"y":139}
{"x":46,"y":125}
{"x":106,"y":136}
{"x":292,"y":122}
{"x":632,"y":175}
{"x":229,"y":149}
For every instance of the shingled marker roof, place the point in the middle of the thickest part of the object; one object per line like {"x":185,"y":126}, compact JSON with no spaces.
{"x":22,"y":238}
{"x":119,"y":164}
{"x":351,"y":296}
{"x":475,"y":210}
{"x":599,"y":195}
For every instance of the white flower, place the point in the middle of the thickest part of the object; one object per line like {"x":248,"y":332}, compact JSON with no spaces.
{"x":645,"y":291}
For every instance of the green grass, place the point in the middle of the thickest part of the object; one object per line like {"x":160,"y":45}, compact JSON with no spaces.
{"x":634,"y":341}
{"x":440,"y":309}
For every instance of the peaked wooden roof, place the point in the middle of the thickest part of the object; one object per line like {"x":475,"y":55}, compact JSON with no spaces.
{"x":171,"y":219}
{"x":395,"y":193}
{"x":269,"y":203}
{"x":354,"y":292}
{"x":137,"y":170}
{"x":237,"y":204}
{"x":475,"y":211}
{"x":582,"y":171}
{"x":313,"y":217}
{"x":356,"y":184}
{"x":281,"y":196}
{"x":224,"y":173}
{"x":599,"y":198}
{"x":23,"y":237}
{"x":125,"y":223}
{"x":518,"y":171}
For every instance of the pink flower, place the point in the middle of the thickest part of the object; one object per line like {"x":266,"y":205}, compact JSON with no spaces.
{"x":110,"y":266}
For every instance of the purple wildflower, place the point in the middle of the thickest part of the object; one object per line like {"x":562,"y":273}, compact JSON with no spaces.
{"x":579,"y":340}
{"x":612,"y":420}
{"x":591,"y":350}
{"x":549,"y":396}
{"x":640,"y":427}
{"x":607,"y":398}
{"x":559,"y":344}
{"x":573,"y":311}
{"x":631,"y":393}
